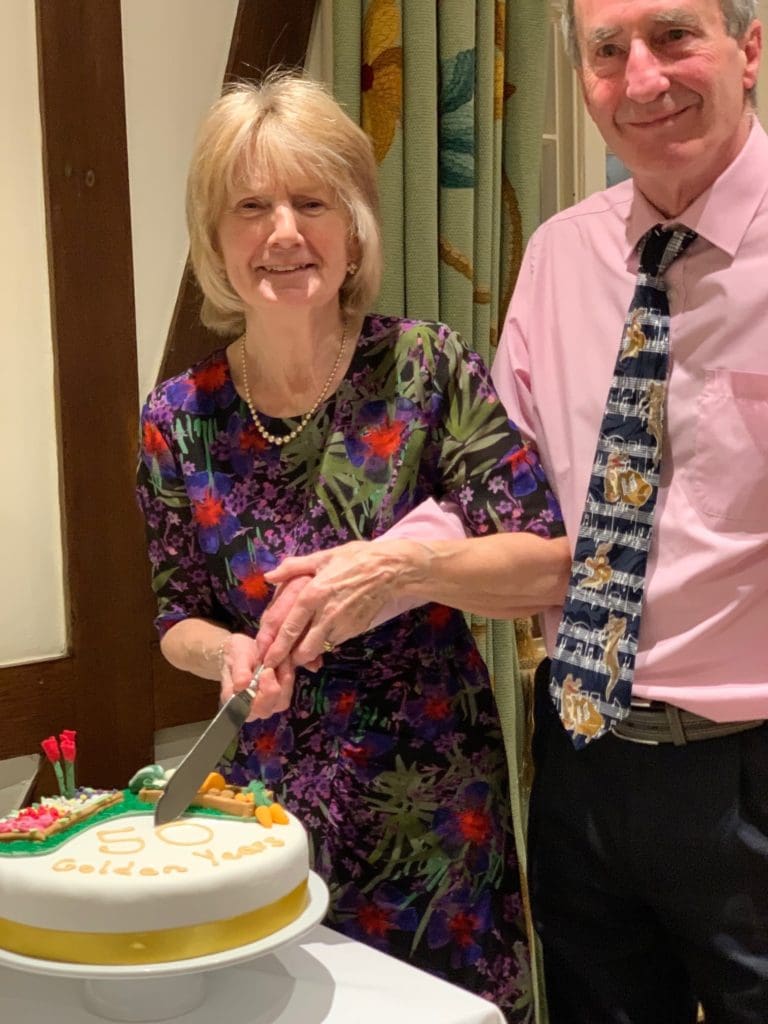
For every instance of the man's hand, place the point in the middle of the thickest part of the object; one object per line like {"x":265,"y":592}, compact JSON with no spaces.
{"x":331,"y":596}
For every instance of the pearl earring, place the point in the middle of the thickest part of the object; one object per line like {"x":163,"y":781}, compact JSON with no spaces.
{"x":352,"y":268}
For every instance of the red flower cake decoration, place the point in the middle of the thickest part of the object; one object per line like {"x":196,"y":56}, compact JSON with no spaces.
{"x":68,"y":752}
{"x":64,"y":749}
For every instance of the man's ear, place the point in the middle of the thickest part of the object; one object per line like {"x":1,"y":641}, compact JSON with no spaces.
{"x":751,"y":45}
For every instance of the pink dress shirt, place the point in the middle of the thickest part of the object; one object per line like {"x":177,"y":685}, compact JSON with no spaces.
{"x":705,"y":620}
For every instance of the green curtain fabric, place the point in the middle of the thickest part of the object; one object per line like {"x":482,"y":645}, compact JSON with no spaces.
{"x":452,"y":94}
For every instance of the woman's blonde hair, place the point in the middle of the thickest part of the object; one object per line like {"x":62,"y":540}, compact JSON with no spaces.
{"x":283,"y":128}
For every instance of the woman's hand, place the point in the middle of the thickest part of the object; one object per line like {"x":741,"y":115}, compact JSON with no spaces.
{"x":331,"y":596}
{"x":240,"y":657}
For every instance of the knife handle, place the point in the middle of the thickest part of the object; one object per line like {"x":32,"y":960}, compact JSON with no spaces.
{"x":253,"y":687}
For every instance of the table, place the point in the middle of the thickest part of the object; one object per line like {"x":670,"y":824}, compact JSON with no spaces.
{"x":325,"y":978}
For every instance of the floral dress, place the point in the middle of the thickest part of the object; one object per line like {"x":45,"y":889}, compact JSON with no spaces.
{"x":391,"y":754}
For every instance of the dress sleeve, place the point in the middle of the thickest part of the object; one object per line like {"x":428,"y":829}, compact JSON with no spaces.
{"x":487,"y":467}
{"x":180,"y":576}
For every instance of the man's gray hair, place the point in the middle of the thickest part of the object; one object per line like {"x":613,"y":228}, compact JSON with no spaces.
{"x":738,"y":16}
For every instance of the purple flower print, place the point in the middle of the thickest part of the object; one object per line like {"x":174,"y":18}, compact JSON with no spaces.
{"x":370,"y":917}
{"x":155,"y":451}
{"x":245,"y":443}
{"x":364,"y":757}
{"x":378,"y":437}
{"x":432,"y":714}
{"x":523,"y":460}
{"x":467,"y":823}
{"x":266,"y":749}
{"x":215,"y":524}
{"x":251,"y":593}
{"x":462,"y":921}
{"x":205,"y":388}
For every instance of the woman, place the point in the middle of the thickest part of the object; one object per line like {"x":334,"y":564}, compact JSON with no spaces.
{"x":319,"y":425}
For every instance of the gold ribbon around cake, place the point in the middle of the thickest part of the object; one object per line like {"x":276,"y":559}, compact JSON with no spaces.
{"x":161,"y":946}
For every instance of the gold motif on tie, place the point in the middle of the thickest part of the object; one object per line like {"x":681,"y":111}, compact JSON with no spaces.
{"x":599,"y":567}
{"x":625,"y":484}
{"x":651,"y":406}
{"x":614,"y":631}
{"x":581,"y":712}
{"x":634,"y":337}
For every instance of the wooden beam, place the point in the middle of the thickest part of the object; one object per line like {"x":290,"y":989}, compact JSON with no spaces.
{"x":266,"y":34}
{"x":109,"y":688}
{"x":269,"y":34}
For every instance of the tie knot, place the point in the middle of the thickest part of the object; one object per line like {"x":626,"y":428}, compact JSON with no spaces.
{"x":661,"y":247}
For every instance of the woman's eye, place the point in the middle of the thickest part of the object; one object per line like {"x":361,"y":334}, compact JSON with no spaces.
{"x":311,"y":205}
{"x":251,"y":205}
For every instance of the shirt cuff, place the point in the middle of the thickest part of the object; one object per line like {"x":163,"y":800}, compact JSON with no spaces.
{"x":429,"y":521}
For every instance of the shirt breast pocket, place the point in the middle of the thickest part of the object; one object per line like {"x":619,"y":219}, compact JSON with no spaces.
{"x":728,"y":479}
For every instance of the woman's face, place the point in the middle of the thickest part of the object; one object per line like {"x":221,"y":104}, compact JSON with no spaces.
{"x":285,"y":245}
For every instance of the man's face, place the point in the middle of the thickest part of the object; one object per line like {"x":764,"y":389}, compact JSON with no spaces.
{"x":665,"y":84}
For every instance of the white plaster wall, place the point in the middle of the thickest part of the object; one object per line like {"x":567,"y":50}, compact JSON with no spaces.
{"x":32,"y":619}
{"x":174,"y":55}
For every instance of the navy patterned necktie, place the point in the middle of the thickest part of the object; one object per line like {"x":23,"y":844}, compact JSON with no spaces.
{"x":594,"y":660}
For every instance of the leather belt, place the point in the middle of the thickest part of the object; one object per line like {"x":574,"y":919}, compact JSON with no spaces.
{"x":655,"y":722}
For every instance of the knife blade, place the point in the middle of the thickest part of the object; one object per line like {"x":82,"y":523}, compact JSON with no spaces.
{"x":205,"y":754}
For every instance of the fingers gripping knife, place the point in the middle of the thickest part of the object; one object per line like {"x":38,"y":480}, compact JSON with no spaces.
{"x":205,"y":754}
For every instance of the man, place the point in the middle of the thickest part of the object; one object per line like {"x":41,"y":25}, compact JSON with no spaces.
{"x":649,"y":860}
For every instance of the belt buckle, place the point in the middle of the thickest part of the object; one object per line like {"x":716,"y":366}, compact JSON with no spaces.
{"x":636,"y":702}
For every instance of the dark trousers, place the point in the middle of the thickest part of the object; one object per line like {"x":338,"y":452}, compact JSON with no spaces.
{"x":649,"y":876}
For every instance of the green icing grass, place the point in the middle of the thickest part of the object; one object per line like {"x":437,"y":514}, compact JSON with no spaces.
{"x":131,"y":804}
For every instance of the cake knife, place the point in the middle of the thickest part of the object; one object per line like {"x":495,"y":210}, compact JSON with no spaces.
{"x":182,"y":786}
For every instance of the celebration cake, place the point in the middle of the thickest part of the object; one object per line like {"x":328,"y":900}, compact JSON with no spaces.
{"x":85,"y":877}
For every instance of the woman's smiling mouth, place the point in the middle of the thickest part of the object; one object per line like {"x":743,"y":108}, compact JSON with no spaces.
{"x":284,"y":269}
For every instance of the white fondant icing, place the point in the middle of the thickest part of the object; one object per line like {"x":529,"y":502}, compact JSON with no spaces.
{"x":123,"y":875}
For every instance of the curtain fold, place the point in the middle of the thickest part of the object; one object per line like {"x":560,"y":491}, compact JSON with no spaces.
{"x":452,"y":94}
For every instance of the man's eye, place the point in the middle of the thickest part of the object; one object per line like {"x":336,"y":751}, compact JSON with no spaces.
{"x":677,"y":35}
{"x":607,"y":51}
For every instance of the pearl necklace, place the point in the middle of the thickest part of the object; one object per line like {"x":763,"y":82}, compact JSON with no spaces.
{"x":285,"y":438}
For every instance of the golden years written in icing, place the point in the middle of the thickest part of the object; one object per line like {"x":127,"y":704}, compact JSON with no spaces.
{"x":124,"y":842}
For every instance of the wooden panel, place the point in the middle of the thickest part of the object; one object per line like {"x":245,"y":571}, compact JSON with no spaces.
{"x":34,"y":702}
{"x":266,"y":34}
{"x":109,"y":691}
{"x":179,"y":696}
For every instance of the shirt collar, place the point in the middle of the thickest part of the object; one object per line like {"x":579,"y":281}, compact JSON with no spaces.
{"x":724,"y":211}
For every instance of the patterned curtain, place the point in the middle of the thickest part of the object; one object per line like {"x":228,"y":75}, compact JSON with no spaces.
{"x":452,"y":94}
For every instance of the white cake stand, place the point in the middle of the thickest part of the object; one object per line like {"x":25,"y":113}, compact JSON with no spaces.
{"x":156,"y":992}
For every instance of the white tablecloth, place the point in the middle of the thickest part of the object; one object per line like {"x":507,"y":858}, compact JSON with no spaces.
{"x":323,"y":979}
